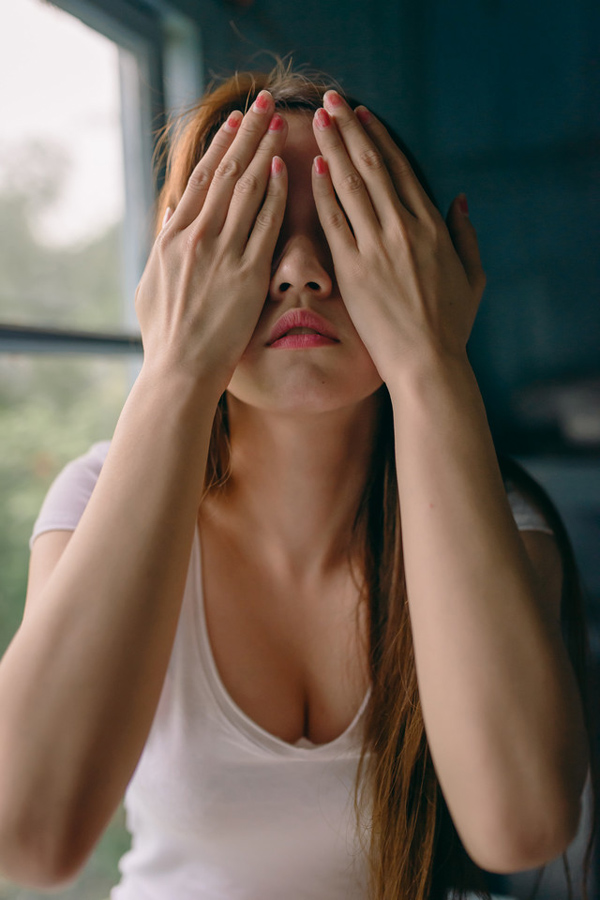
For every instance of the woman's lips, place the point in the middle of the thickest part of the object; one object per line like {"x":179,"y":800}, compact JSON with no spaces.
{"x":301,"y":319}
{"x":301,"y":341}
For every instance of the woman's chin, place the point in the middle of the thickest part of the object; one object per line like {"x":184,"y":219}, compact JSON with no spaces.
{"x":300,"y":398}
{"x":298,"y":383}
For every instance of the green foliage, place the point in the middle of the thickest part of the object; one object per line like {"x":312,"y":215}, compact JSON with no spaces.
{"x":51,"y":410}
{"x":75,"y":287}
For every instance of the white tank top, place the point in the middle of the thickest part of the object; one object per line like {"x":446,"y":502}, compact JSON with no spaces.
{"x":218,"y":808}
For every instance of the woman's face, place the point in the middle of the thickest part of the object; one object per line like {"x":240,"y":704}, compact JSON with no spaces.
{"x":309,"y":378}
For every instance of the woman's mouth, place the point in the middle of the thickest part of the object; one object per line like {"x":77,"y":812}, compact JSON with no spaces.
{"x":300,"y":338}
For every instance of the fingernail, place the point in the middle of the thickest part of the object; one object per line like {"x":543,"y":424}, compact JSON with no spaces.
{"x":276,"y":123}
{"x":276,"y":166}
{"x":333,"y":98}
{"x":233,"y":121}
{"x":166,"y":216}
{"x":322,"y":118}
{"x":363,"y":115}
{"x":463,"y":205}
{"x":261,"y":104}
{"x":321,"y":167}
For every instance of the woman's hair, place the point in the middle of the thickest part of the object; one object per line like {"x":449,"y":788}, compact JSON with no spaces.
{"x":413,"y":849}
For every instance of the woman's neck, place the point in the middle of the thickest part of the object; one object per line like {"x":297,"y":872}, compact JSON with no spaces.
{"x":296,"y":483}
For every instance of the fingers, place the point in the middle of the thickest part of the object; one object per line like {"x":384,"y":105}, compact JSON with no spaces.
{"x":348,"y":183}
{"x":234,"y":171}
{"x":356,"y":149}
{"x":193,"y":198}
{"x":249,"y":191}
{"x":331,"y":215}
{"x":263,"y":238}
{"x":464,"y":238}
{"x":406,"y":184}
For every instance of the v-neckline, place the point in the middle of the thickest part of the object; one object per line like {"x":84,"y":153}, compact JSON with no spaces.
{"x":233,"y":713}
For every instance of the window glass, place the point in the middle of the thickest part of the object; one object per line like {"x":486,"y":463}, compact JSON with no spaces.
{"x":61,"y":171}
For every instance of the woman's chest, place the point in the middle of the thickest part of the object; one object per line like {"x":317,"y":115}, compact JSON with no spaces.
{"x":291,"y":657}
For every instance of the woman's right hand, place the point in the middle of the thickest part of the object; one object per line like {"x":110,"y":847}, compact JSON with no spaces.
{"x":207,"y":276}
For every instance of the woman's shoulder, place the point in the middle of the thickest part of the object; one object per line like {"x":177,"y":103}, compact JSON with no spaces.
{"x":70,"y":492}
{"x":80,"y":474}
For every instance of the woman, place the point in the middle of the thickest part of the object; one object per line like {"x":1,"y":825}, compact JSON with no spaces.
{"x":299,"y":581}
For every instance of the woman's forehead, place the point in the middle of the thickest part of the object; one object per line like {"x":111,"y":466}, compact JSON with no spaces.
{"x":300,"y":147}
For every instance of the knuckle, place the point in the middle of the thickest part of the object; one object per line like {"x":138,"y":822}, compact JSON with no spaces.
{"x":199,"y":180}
{"x":163,"y":239}
{"x":401,"y":167}
{"x":435,"y":228}
{"x":246,"y":268}
{"x":247,"y":184}
{"x":352,"y":183}
{"x":252,"y":131}
{"x":191,"y":241}
{"x":336,"y":219}
{"x":371,"y":159}
{"x":230,"y":167}
{"x":266,"y":219}
{"x":193,"y":238}
{"x":347,"y":123}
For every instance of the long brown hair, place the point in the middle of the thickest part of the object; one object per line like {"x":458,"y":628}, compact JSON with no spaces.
{"x":412,"y":847}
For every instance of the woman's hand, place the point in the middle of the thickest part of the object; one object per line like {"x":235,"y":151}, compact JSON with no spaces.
{"x":410,"y":285}
{"x":205,"y":282}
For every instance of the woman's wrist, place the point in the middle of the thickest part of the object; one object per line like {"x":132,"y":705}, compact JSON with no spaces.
{"x":175,"y":384}
{"x":427,"y":368}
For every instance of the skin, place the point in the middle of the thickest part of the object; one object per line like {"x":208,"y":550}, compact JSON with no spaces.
{"x":500,"y":702}
{"x":307,"y":414}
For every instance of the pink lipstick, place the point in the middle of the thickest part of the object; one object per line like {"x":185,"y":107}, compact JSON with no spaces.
{"x":298,"y":328}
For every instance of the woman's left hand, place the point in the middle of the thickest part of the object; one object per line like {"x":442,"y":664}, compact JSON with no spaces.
{"x":411,"y":282}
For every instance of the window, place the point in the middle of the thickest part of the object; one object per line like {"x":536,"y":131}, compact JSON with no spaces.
{"x":61,"y":172}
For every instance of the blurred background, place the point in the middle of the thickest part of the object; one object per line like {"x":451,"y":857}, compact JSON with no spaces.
{"x":496,"y":98}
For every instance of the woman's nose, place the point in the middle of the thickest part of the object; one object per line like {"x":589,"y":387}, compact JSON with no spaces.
{"x":300,"y":272}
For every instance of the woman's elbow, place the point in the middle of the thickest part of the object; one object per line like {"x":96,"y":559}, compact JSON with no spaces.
{"x":519,"y":851}
{"x":36,"y":860}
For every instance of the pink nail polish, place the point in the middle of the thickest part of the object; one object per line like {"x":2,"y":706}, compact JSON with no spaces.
{"x":333,"y":98}
{"x":321,"y":167}
{"x":363,"y":115}
{"x":233,"y":122}
{"x":262,"y":102}
{"x":322,"y":118}
{"x":463,"y":205}
{"x":276,"y":123}
{"x":276,"y":166}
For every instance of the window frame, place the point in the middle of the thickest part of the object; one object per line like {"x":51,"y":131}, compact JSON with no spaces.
{"x":159,"y":59}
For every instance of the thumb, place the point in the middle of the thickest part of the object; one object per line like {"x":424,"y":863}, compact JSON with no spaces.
{"x":464,"y":238}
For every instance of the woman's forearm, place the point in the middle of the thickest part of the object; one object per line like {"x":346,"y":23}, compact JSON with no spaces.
{"x":81,"y":680}
{"x":500,"y":702}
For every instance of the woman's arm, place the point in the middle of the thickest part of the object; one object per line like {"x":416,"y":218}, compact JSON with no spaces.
{"x":500,"y":701}
{"x":81,"y":680}
{"x":501,"y":706}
